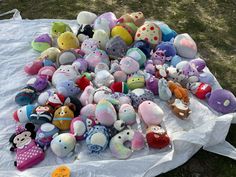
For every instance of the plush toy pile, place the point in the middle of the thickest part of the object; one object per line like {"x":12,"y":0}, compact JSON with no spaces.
{"x":93,"y":87}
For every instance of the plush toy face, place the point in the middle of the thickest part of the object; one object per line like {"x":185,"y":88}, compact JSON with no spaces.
{"x":39,"y":83}
{"x":26,"y":96}
{"x":116,"y":48}
{"x":139,"y":95}
{"x":185,"y":46}
{"x":22,"y":139}
{"x":42,"y":42}
{"x":84,"y":32}
{"x":222,"y":101}
{"x":138,"y":18}
{"x":78,"y":128}
{"x":157,"y":137}
{"x":66,"y":57}
{"x":67,"y":88}
{"x":189,"y":70}
{"x":103,"y":78}
{"x":101,"y":37}
{"x":63,"y":144}
{"x":63,"y":73}
{"x":63,"y":117}
{"x":180,"y":109}
{"x":129,"y":65}
{"x":158,"y":57}
{"x":150,"y":113}
{"x":127,"y":114}
{"x":97,"y":139}
{"x":96,"y":57}
{"x":105,"y":113}
{"x":58,"y":28}
{"x":89,"y":45}
{"x":23,"y":114}
{"x":163,"y":90}
{"x":41,"y":114}
{"x":135,"y":82}
{"x":67,"y":40}
{"x":168,"y":49}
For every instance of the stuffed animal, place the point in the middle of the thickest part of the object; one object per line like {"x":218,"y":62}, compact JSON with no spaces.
{"x":150,"y":67}
{"x":58,"y":28}
{"x":63,"y":145}
{"x":39,"y":83}
{"x":100,"y":67}
{"x":119,"y":87}
{"x":89,"y":45}
{"x":168,"y":48}
{"x":116,"y":48}
{"x":126,"y":18}
{"x":44,"y":135}
{"x":122,"y":33}
{"x":87,"y":95}
{"x":149,"y":32}
{"x":127,"y":114}
{"x":122,"y":98}
{"x":78,"y":128}
{"x":66,"y":57}
{"x":161,"y":71}
{"x":67,"y":40}
{"x":138,"y":18}
{"x":97,"y":139}
{"x":50,"y":53}
{"x":102,"y":24}
{"x":207,"y":78}
{"x":199,"y":64}
{"x":47,"y":71}
{"x":42,"y":114}
{"x":43,"y":97}
{"x":84,"y":32}
{"x":22,"y":114}
{"x":63,"y":117}
{"x":109,"y":17}
{"x":26,"y":96}
{"x":129,"y":65}
{"x":178,"y":91}
{"x":150,"y":113}
{"x":33,"y":67}
{"x":165,"y":93}
{"x":64,"y":73}
{"x":75,"y":104}
{"x":28,"y":153}
{"x":115,"y":66}
{"x":167,"y":32}
{"x":199,"y":89}
{"x":96,"y":57}
{"x":222,"y":101}
{"x":157,"y":137}
{"x":185,"y":46}
{"x":85,"y":17}
{"x":152,"y":84}
{"x":61,"y":171}
{"x":81,"y":65}
{"x":42,"y":43}
{"x":137,"y":55}
{"x":175,"y":60}
{"x":158,"y":57}
{"x":56,"y":100}
{"x":136,"y":81}
{"x":105,"y":113}
{"x":82,"y":82}
{"x":103,"y":78}
{"x":101,"y":37}
{"x":88,"y":111}
{"x":67,"y":88}
{"x":180,"y":109}
{"x":120,"y":76}
{"x":140,"y":95}
{"x":144,"y":46}
{"x":191,"y":72}
{"x":118,"y":147}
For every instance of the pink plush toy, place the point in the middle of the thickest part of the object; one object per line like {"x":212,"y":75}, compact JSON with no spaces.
{"x":47,"y":71}
{"x":89,"y":45}
{"x":150,"y":113}
{"x":87,"y":95}
{"x":129,"y":65}
{"x":88,"y":111}
{"x":78,"y":128}
{"x":33,"y":67}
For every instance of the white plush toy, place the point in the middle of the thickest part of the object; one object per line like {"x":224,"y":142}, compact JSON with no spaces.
{"x":85,"y":17}
{"x":103,"y":24}
{"x":103,"y":78}
{"x":102,"y":37}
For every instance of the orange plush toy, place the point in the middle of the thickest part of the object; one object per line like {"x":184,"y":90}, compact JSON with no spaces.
{"x":179,"y":91}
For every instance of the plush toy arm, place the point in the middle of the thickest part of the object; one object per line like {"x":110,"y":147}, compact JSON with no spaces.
{"x":12,"y":149}
{"x":178,"y":94}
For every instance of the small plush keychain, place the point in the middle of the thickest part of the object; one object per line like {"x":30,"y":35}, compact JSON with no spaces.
{"x":61,"y":171}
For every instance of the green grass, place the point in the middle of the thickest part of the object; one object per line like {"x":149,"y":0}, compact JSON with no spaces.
{"x":211,"y":23}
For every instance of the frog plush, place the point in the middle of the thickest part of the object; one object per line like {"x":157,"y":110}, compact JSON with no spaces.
{"x":58,"y":28}
{"x":136,"y":81}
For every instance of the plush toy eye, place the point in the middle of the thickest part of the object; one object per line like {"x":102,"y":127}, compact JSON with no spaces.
{"x":55,"y":31}
{"x":17,"y":139}
{"x":125,"y":110}
{"x":138,"y":79}
{"x":20,"y":110}
{"x":59,"y":141}
{"x":65,"y":112}
{"x":65,"y":147}
{"x":127,"y":133}
{"x":114,"y":50}
{"x":68,"y":70}
{"x":149,"y":103}
{"x":25,"y":135}
{"x":119,"y":137}
{"x":99,"y":41}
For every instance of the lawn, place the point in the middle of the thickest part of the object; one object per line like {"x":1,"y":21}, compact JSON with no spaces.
{"x":211,"y":23}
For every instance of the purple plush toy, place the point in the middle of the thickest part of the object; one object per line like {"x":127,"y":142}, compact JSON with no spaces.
{"x":199,"y":64}
{"x":81,"y":65}
{"x":158,"y":57}
{"x":168,"y":48}
{"x":67,"y":88}
{"x":110,"y":17}
{"x":89,"y":45}
{"x":150,"y":68}
{"x":152,"y":84}
{"x":191,"y":72}
{"x":222,"y":101}
{"x":39,"y":83}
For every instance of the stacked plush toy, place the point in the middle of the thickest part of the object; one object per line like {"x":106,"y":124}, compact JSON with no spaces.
{"x":90,"y":86}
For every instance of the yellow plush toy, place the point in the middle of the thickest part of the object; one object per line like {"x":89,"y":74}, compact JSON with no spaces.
{"x":67,"y":40}
{"x":122,"y":33}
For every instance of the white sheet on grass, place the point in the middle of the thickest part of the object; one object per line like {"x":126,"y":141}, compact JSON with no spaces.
{"x":205,"y":128}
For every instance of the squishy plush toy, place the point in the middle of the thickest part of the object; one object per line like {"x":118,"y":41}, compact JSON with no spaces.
{"x":64,"y":73}
{"x":137,"y":55}
{"x":81,"y":65}
{"x":102,"y":93}
{"x":130,"y":27}
{"x":33,"y":67}
{"x":165,"y":93}
{"x":41,"y":115}
{"x":152,"y":84}
{"x":150,"y":113}
{"x":136,"y":81}
{"x":167,"y":32}
{"x":199,"y":64}
{"x":101,"y":37}
{"x":84,"y":32}
{"x":222,"y":101}
{"x":129,"y":65}
{"x":78,"y":128}
{"x":89,"y":45}
{"x":127,"y":114}
{"x":28,"y":153}
{"x":161,"y":71}
{"x":105,"y":113}
{"x":43,"y":97}
{"x":88,"y":111}
{"x":42,"y":43}
{"x":44,"y":134}
{"x":120,"y":76}
{"x":140,"y":95}
{"x":158,"y":57}
{"x":63,"y":145}
{"x":116,"y":48}
{"x":63,"y":117}
{"x":180,"y":109}
{"x":75,"y":104}
{"x":85,"y":17}
{"x":95,"y":57}
{"x":67,"y":40}
{"x":150,"y":67}
{"x":157,"y":137}
{"x":62,"y":170}
{"x":58,"y":28}
{"x":100,"y":67}
{"x":136,"y":17}
{"x":66,"y":57}
{"x":47,"y":71}
{"x":185,"y":46}
{"x":144,"y":46}
{"x":103,"y":78}
{"x":119,"y":87}
{"x":39,"y":83}
{"x":87,"y":95}
{"x":97,"y":139}
{"x":109,"y":17}
{"x":191,"y":72}
{"x":67,"y":88}
{"x":149,"y":32}
{"x":168,"y":48}
{"x":26,"y":96}
{"x":22,"y":115}
{"x":102,"y":24}
{"x":56,"y":100}
{"x":175,"y":60}
{"x":178,"y":91}
{"x":199,"y":89}
{"x":117,"y":143}
{"x":123,"y":34}
{"x":82,"y":82}
{"x":207,"y":78}
{"x":50,"y":54}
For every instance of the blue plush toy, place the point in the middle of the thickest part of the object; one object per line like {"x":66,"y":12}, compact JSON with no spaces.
{"x":168,"y":48}
{"x":97,"y":139}
{"x":175,"y":60}
{"x":26,"y":96}
{"x":67,"y":88}
{"x":167,"y":33}
{"x":144,"y":46}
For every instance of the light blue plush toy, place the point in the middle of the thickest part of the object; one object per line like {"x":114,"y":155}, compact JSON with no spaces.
{"x":163,"y":89}
{"x":67,"y":88}
{"x":175,"y":60}
{"x":167,"y":32}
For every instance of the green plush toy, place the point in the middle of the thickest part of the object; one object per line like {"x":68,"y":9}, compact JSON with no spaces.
{"x":136,"y":81}
{"x":42,"y":42}
{"x":58,"y":28}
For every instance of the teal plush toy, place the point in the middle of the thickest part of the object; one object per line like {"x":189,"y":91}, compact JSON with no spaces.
{"x":137,"y":55}
{"x":58,"y":28}
{"x":42,"y":42}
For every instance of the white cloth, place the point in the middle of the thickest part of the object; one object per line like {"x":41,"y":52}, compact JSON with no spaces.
{"x":205,"y":128}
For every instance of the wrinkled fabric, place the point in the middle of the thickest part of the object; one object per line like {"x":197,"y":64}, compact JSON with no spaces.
{"x":204,"y":128}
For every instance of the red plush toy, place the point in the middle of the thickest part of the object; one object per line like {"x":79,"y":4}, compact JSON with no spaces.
{"x":82,"y":82}
{"x":200,"y":89}
{"x":56,"y":100}
{"x":157,"y":137}
{"x":119,"y":87}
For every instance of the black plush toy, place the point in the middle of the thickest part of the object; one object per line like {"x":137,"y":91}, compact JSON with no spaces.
{"x":84,"y":32}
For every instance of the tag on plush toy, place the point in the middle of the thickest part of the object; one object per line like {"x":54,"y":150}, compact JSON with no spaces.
{"x":61,"y":171}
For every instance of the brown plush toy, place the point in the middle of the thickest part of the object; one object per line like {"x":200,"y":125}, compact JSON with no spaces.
{"x":180,"y":109}
{"x":179,"y":91}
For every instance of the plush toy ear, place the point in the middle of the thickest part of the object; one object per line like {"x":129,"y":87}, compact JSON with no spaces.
{"x":12,"y":138}
{"x":55,"y":135}
{"x":30,"y":127}
{"x":67,"y":101}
